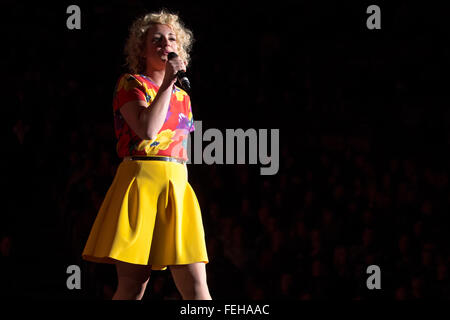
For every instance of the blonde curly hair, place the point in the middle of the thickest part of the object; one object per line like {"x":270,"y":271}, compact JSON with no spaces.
{"x":135,"y":44}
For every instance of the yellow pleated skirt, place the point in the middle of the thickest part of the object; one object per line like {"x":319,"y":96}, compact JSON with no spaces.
{"x":150,"y":216}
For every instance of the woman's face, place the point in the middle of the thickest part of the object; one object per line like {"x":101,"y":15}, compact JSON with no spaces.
{"x":160,"y":41}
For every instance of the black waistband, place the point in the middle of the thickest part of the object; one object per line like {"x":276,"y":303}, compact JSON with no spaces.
{"x":170,"y":159}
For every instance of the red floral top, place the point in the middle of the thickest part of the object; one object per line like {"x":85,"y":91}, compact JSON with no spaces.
{"x":171,"y":139}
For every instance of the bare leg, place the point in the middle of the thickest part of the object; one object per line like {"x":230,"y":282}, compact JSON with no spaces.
{"x":190,"y":280}
{"x":132,"y":281}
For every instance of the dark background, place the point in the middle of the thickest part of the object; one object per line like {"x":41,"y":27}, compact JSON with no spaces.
{"x":364,"y":140}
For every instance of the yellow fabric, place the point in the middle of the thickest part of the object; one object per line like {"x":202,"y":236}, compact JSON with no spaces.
{"x":150,"y":216}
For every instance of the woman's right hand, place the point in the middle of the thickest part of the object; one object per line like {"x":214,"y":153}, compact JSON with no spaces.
{"x":172,"y":67}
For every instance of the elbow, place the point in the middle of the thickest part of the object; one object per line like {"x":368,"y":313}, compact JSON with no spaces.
{"x":146,"y":134}
{"x":150,"y":135}
{"x":147,"y":137}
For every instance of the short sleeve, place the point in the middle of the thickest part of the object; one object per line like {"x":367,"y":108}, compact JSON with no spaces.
{"x":128,"y":88}
{"x":190,"y":115}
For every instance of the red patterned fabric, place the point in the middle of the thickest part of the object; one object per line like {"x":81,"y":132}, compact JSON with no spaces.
{"x":171,"y":139}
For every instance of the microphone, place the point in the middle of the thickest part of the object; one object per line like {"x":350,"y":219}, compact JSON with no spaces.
{"x":181,"y":75}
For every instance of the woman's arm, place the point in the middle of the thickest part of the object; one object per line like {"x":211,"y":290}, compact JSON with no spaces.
{"x":146,"y":121}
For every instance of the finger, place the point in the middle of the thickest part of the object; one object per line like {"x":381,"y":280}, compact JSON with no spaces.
{"x":180,"y":66}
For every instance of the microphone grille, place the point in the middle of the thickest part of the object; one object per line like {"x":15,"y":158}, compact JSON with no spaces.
{"x":171,"y":55}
